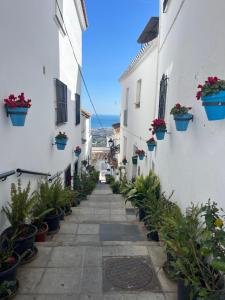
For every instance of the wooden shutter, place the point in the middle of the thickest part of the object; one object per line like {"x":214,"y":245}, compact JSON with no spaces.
{"x":162,"y":97}
{"x":61,"y":100}
{"x":77,"y":107}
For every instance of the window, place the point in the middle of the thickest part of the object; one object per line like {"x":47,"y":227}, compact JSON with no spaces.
{"x":59,"y":14}
{"x":125,"y":112}
{"x":162,"y":97}
{"x":77,"y":109}
{"x":138,"y":93}
{"x":124,"y":146}
{"x":61,"y":102}
{"x":165,"y":5}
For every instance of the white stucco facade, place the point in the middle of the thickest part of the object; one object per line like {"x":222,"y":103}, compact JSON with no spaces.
{"x":136,"y":133}
{"x":34,"y":52}
{"x":190,"y":48}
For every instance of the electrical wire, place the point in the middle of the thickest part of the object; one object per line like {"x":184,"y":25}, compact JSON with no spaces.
{"x":79,"y":68}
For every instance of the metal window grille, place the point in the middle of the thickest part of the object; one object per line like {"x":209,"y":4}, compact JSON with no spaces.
{"x":162,"y":97}
{"x":77,"y":107}
{"x":61,"y":102}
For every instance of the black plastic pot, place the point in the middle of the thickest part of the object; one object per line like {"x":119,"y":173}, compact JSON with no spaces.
{"x":184,"y":292}
{"x":10,"y":274}
{"x":142,"y":213}
{"x":24,"y":243}
{"x":53,"y":222}
{"x":153,"y":236}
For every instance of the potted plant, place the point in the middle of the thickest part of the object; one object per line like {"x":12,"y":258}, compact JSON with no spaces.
{"x":77,"y":151}
{"x":158,"y":128}
{"x":134,"y":159}
{"x":212,"y":93}
{"x":84,"y":162}
{"x":61,"y":140}
{"x":140,"y":154}
{"x":18,"y":213}
{"x":8,"y":289}
{"x":124,"y":161}
{"x":17,"y":108}
{"x":181,"y":116}
{"x":9,"y":261}
{"x":151,"y":143}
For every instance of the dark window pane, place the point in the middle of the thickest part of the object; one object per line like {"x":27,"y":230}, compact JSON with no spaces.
{"x":162,"y":97}
{"x":165,"y":2}
{"x":77,"y":107}
{"x":61,"y":102}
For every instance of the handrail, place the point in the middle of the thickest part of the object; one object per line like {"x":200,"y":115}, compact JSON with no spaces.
{"x":3,"y":176}
{"x":21,"y":171}
{"x":54,"y":176}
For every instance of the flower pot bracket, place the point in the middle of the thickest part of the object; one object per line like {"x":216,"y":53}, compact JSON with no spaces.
{"x":219,"y":103}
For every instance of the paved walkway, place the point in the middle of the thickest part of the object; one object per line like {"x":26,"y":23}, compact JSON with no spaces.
{"x":100,"y":253}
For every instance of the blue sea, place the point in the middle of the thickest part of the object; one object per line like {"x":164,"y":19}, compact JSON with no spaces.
{"x":106,"y":120}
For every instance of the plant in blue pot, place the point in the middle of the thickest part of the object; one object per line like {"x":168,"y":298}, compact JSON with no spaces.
{"x":17,"y":108}
{"x":181,"y":116}
{"x":140,"y":154}
{"x":77,"y":151}
{"x":151,"y":143}
{"x":212,"y":94}
{"x":158,"y":128}
{"x":61,"y":140}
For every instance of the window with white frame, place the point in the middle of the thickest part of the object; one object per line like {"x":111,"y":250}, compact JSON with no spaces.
{"x":59,"y":14}
{"x":138,"y":93}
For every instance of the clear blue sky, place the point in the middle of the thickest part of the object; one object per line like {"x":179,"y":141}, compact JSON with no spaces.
{"x":109,"y":45}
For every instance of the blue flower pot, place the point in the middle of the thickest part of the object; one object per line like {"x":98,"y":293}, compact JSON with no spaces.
{"x":60,"y":143}
{"x":151,"y":147}
{"x":214,"y":106}
{"x":141,"y":157}
{"x":160,"y":135}
{"x":17,"y":115}
{"x":77,"y":154}
{"x":182,"y":121}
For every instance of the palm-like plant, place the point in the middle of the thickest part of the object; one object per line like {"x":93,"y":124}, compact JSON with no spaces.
{"x":18,"y":211}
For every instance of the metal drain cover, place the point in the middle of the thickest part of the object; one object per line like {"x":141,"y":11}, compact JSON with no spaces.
{"x":129,"y":273}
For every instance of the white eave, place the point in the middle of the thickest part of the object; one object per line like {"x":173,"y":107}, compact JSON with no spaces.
{"x":82,"y":13}
{"x":143,"y":53}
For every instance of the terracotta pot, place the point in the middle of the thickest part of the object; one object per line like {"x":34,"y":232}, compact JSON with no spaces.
{"x":42,"y":234}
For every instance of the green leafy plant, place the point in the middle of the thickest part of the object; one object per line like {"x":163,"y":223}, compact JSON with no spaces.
{"x":211,"y":86}
{"x":178,"y":109}
{"x":7,"y":289}
{"x":18,"y":211}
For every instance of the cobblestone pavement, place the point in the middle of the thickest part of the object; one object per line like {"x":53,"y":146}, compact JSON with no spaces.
{"x":97,"y":255}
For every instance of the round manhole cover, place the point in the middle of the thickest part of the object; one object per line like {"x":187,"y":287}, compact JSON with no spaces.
{"x":128,"y":273}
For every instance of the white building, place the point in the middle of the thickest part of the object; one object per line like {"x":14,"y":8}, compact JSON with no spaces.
{"x":86,"y":137}
{"x":138,"y":98}
{"x":190,"y":48}
{"x":37,"y":59}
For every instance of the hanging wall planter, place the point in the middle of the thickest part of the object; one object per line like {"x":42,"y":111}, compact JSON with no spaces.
{"x":124,"y":161}
{"x":17,"y":108}
{"x":212,"y":94}
{"x":134,"y":159}
{"x":77,"y":151}
{"x":140,"y":154}
{"x":181,"y":116}
{"x":158,"y":127}
{"x":61,"y":140}
{"x":151,"y":143}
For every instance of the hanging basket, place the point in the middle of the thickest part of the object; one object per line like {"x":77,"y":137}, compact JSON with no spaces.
{"x":182,"y":121}
{"x":141,"y":157}
{"x":214,"y":106}
{"x":77,"y":154}
{"x":60,"y":143}
{"x":151,"y":146}
{"x":160,"y":135}
{"x":17,"y":115}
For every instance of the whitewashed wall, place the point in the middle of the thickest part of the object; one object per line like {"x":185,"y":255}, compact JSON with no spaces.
{"x":30,"y":41}
{"x":191,"y":49}
{"x":139,"y":119}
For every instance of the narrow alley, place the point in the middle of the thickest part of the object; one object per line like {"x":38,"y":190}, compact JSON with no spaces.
{"x":101,"y":252}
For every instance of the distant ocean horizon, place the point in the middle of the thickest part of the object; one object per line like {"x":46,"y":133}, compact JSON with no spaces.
{"x":106,"y":120}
